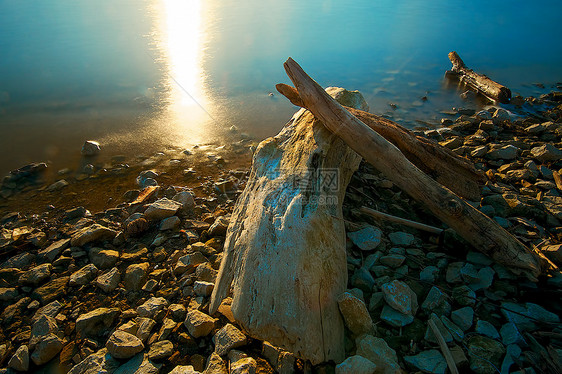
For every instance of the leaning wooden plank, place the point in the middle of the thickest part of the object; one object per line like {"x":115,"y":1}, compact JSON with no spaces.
{"x":478,"y":82}
{"x":479,"y":230}
{"x":440,"y":163}
{"x":284,"y":256}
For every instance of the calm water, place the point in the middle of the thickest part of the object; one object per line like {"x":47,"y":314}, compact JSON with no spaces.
{"x":142,"y":75}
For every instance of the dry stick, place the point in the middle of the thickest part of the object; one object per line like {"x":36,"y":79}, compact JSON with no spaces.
{"x":446,"y":352}
{"x":402,"y":221}
{"x":449,"y":169}
{"x":479,"y":230}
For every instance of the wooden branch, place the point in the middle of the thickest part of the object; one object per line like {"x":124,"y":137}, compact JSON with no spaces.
{"x":406,"y":222}
{"x":446,"y":167}
{"x":444,"y":348}
{"x":479,"y":230}
{"x":478,"y":82}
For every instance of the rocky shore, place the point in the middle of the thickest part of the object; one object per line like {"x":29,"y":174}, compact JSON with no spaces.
{"x":121,"y":283}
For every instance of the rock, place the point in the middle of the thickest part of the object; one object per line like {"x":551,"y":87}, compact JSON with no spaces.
{"x":122,"y":345}
{"x":74,"y":213}
{"x":90,"y":148}
{"x":139,"y":364}
{"x":160,"y":350}
{"x":36,"y":275}
{"x":51,"y":290}
{"x":185,"y":198}
{"x":246,"y":365}
{"x":90,"y":234}
{"x":355,"y":314}
{"x":518,"y":315}
{"x":393,"y":260}
{"x":8,"y":294}
{"x":189,"y":262}
{"x":227,"y":338}
{"x":152,"y":307}
{"x":100,"y":362}
{"x":136,"y":276}
{"x":463,"y":295}
{"x":430,"y":335}
{"x":47,"y":348}
{"x":456,"y":332}
{"x":96,"y":321}
{"x":181,"y":369}
{"x":160,"y":209}
{"x":363,"y":280}
{"x":401,"y":239}
{"x":485,"y":354}
{"x":431,"y":361}
{"x":177,"y":312}
{"x":52,"y":251}
{"x":103,"y":258}
{"x":199,"y":324}
{"x":378,"y":352}
{"x":109,"y":281}
{"x":215,"y":365}
{"x":478,"y":258}
{"x":487,"y":329}
{"x":501,"y":115}
{"x":145,"y":327}
{"x":400,"y":297}
{"x":509,"y":152}
{"x":84,"y":276}
{"x":429,"y":274}
{"x":170,"y":223}
{"x":546,"y":153}
{"x":203,"y":288}
{"x":20,"y":359}
{"x":219,"y":227}
{"x":553,"y":252}
{"x":356,"y":365}
{"x":19,"y":261}
{"x":463,"y":317}
{"x":42,"y":327}
{"x":436,"y":301}
{"x":395,"y":318}
{"x":49,"y":310}
{"x":367,"y":238}
{"x":58,"y":185}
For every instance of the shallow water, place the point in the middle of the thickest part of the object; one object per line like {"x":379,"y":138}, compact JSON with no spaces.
{"x":140,"y":76}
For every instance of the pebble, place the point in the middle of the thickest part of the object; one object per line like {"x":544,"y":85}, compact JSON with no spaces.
{"x":367,"y":238}
{"x":400,"y":297}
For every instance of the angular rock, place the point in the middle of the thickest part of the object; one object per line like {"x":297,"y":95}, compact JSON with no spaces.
{"x":100,"y":362}
{"x":42,"y":327}
{"x":51,"y":290}
{"x":401,"y":239}
{"x":160,"y":350}
{"x":109,"y":281}
{"x":378,"y":352}
{"x":356,"y":365}
{"x":400,"y":297}
{"x":49,"y":310}
{"x":185,"y":198}
{"x":355,"y":314}
{"x":90,"y":234}
{"x":395,"y":318}
{"x":367,"y":238}
{"x":219,"y":227}
{"x":152,"y":307}
{"x":8,"y":294}
{"x":122,"y":345}
{"x":487,"y":329}
{"x":189,"y":262}
{"x":546,"y":153}
{"x":139,"y":364}
{"x":170,"y":223}
{"x":160,"y":209}
{"x":83,"y":276}
{"x":103,"y":258}
{"x":485,"y":354}
{"x":203,"y":288}
{"x":184,"y":369}
{"x":47,"y":348}
{"x":463,"y":317}
{"x":246,"y":365}
{"x":215,"y":365}
{"x":509,"y":152}
{"x":136,"y":276}
{"x":436,"y":301}
{"x":431,"y":361}
{"x":199,"y":324}
{"x":463,"y":295}
{"x":95,"y":322}
{"x":227,"y":338}
{"x":145,"y":327}
{"x":20,"y":359}
{"x":36,"y":275}
{"x":90,"y":148}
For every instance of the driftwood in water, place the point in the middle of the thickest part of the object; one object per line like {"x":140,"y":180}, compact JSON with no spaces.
{"x":478,"y":82}
{"x":447,"y":168}
{"x":479,"y":230}
{"x":284,"y":256}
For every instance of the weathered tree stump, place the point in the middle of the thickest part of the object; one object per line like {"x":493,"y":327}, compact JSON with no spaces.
{"x":284,"y":256}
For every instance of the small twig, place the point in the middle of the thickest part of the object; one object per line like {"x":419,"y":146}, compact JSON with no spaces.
{"x":443,"y":345}
{"x":402,"y":221}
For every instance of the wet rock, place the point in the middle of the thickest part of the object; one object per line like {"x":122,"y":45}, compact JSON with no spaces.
{"x":54,"y":250}
{"x":47,"y":348}
{"x":160,"y":350}
{"x":378,"y":352}
{"x":485,"y":354}
{"x":199,"y":324}
{"x":227,"y":338}
{"x":463,"y":317}
{"x":400,"y":296}
{"x":109,"y":281}
{"x":355,"y":314}
{"x":162,"y":208}
{"x":546,"y":153}
{"x":367,"y":238}
{"x":431,"y":361}
{"x":170,"y":223}
{"x":83,"y":276}
{"x":51,"y":290}
{"x":36,"y":275}
{"x":356,"y":365}
{"x":103,"y":258}
{"x":90,"y":148}
{"x":58,"y":185}
{"x":136,"y":276}
{"x":152,"y":307}
{"x":95,"y":322}
{"x":436,"y":301}
{"x":92,"y":233}
{"x":98,"y":362}
{"x":122,"y":345}
{"x":20,"y":359}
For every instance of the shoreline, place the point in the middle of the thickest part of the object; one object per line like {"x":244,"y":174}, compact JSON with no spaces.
{"x":102,"y":249}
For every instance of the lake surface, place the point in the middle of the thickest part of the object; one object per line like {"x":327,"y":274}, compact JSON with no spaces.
{"x":139,"y":76}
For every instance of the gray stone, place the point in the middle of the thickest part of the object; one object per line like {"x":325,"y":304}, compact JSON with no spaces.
{"x":431,"y":361}
{"x":185,"y":198}
{"x":46,"y":349}
{"x":189,"y":262}
{"x":463,"y":295}
{"x":122,"y":345}
{"x":42,"y":327}
{"x":487,"y":329}
{"x":400,"y":297}
{"x":429,"y":274}
{"x":53,"y":250}
{"x":463,"y":317}
{"x":545,"y":172}
{"x":20,"y":359}
{"x":356,"y":365}
{"x":510,"y":334}
{"x":96,"y":321}
{"x":227,"y":338}
{"x":90,"y":148}
{"x":136,"y":276}
{"x":49,"y":310}
{"x":170,"y":223}
{"x":395,"y":318}
{"x":367,"y":238}
{"x":100,"y":362}
{"x":509,"y":152}
{"x":519,"y":314}
{"x":19,"y":261}
{"x":160,"y":350}
{"x":58,"y":185}
{"x":145,"y":328}
{"x":402,"y":239}
{"x":151,"y":307}
{"x":453,"y":274}
{"x":202,"y":288}
{"x":36,"y":275}
{"x":363,"y":280}
{"x":103,"y":258}
{"x":513,"y":352}
{"x":546,"y":153}
{"x":378,"y":352}
{"x":456,"y":332}
{"x":485,"y":354}
{"x":139,"y":364}
{"x":392,"y":260}
{"x":91,"y":234}
{"x":51,"y":290}
{"x":355,"y":314}
{"x":162,"y":208}
{"x":219,"y":227}
{"x":84,"y":276}
{"x":478,"y":258}
{"x":109,"y":281}
{"x":199,"y":324}
{"x":436,"y":302}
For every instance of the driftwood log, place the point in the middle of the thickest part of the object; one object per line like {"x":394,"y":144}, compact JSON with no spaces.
{"x":284,"y":256}
{"x":443,"y":165}
{"x":479,"y":82}
{"x":476,"y":228}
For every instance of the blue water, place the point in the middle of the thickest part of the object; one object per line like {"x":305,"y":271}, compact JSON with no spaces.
{"x":145,"y":74}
